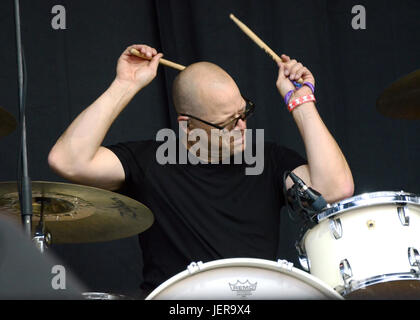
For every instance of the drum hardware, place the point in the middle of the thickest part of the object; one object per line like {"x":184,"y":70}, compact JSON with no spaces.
{"x":414,"y":259}
{"x":314,"y":199}
{"x":284,"y":264}
{"x":402,"y":215}
{"x":336,"y":228}
{"x":346,"y":274}
{"x":194,"y":267}
{"x":371,"y":224}
{"x":303,"y":259}
{"x":302,"y":201}
{"x":353,"y":285}
{"x":42,"y":240}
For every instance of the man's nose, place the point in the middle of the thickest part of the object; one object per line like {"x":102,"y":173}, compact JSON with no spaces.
{"x":241,"y":124}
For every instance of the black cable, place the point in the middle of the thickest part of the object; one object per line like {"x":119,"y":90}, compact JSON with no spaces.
{"x":286,"y":198}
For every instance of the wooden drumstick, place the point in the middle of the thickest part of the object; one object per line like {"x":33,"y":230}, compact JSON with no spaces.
{"x":258,"y":41}
{"x":162,"y":61}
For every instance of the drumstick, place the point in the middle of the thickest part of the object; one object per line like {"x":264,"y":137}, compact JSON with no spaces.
{"x":258,"y":41}
{"x":165,"y":62}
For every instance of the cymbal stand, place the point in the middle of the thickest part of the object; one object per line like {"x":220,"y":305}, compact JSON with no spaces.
{"x":42,"y":238}
{"x":24,"y":184}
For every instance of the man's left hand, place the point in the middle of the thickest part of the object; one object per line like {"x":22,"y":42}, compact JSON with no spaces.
{"x":291,"y":70}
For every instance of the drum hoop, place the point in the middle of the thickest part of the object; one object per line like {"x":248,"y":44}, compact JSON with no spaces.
{"x":360,"y":284}
{"x":247,"y":262}
{"x":369,"y":199}
{"x":360,"y":201}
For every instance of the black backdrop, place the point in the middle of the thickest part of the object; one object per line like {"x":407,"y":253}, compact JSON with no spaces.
{"x":68,"y":69}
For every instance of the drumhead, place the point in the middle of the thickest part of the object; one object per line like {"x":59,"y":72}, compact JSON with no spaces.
{"x":369,"y":199}
{"x":243,"y":278}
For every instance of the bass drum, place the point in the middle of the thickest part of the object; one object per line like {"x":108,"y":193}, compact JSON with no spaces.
{"x":242,"y":278}
{"x":367,"y":246}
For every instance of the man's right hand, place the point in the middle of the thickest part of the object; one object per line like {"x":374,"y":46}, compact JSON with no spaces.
{"x":78,"y":155}
{"x":138,"y":72}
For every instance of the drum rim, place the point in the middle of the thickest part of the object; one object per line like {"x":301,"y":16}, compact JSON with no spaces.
{"x":279,"y":265}
{"x":367,"y":282}
{"x":369,"y":199}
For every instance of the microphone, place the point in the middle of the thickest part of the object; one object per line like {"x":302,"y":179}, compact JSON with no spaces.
{"x":313,"y":197}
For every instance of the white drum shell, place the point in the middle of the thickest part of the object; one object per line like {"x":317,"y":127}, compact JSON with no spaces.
{"x":265,"y":280}
{"x":374,"y":241}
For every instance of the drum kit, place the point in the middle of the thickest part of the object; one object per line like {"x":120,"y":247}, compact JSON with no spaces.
{"x":365,"y":247}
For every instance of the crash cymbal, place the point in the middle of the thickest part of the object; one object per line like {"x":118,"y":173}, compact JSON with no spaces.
{"x":402,"y":99}
{"x":7,"y":122}
{"x":78,"y":214}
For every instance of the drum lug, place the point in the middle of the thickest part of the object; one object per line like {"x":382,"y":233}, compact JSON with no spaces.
{"x":346,"y":273}
{"x":414,"y":259}
{"x":284,"y":264}
{"x":303,"y":258}
{"x":194,"y":267}
{"x":304,"y":262}
{"x":336,"y":228}
{"x":404,"y":218}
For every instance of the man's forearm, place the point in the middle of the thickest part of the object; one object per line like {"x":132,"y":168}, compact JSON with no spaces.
{"x":328,"y":168}
{"x":82,"y":139}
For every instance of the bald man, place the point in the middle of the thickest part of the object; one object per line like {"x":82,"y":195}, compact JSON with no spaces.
{"x":202,"y":212}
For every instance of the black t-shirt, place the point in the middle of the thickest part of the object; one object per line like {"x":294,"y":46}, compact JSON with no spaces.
{"x":204,"y":212}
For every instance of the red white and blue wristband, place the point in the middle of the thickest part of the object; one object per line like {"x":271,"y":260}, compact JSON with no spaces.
{"x":297,"y":87}
{"x":297,"y":102}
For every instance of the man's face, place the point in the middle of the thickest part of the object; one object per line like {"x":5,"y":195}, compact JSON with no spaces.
{"x":223,"y":109}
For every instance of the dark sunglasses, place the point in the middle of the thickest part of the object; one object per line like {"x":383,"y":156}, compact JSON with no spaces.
{"x":249,"y":110}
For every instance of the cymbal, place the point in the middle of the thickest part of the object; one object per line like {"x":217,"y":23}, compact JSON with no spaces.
{"x":77,"y":214}
{"x":7,"y":122}
{"x":402,"y":99}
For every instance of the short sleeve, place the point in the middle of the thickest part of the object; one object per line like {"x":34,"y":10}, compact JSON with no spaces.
{"x":134,"y":157}
{"x":284,"y":159}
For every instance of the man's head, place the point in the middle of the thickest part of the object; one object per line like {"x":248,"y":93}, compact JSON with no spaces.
{"x":205,"y":91}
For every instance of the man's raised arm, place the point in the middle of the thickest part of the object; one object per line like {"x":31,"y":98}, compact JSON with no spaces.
{"x":78,"y":155}
{"x":327,"y":170}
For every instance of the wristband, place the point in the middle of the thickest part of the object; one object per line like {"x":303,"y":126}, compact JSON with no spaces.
{"x":299,"y":101}
{"x":287,"y":97}
{"x":310,"y":85}
{"x":297,"y":87}
{"x":297,"y":84}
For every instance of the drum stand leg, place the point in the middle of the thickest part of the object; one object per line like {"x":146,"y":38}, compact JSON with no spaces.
{"x":42,"y":237}
{"x":42,"y":240}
